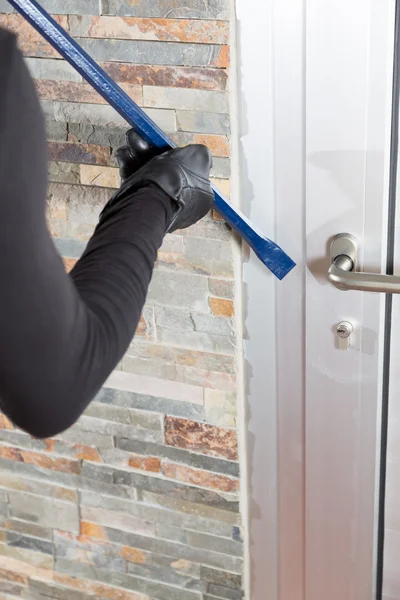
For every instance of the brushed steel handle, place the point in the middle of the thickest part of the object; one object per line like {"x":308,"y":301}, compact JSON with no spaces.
{"x":343,"y":275}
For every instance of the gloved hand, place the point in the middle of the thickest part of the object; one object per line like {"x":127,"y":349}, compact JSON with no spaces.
{"x":133,"y":155}
{"x":183,"y":174}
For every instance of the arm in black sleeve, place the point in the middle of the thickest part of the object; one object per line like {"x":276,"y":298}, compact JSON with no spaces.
{"x":61,"y":336}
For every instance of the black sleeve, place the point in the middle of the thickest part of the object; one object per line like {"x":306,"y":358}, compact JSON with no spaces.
{"x":61,"y":336}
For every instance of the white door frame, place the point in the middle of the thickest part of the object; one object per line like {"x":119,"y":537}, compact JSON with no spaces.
{"x":314,"y":80}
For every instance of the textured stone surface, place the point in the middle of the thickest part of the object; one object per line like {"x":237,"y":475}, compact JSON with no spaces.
{"x":201,"y":437}
{"x":202,"y":122}
{"x":140,"y":499}
{"x":153,"y":53}
{"x":198,"y":9}
{"x":180,"y":456}
{"x":44,"y":68}
{"x":185,"y":99}
{"x":200,"y":478}
{"x":170,"y":76}
{"x":145,"y":402}
{"x":168,"y":30}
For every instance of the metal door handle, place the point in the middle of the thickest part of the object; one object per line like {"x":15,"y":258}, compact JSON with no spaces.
{"x":342,"y":272}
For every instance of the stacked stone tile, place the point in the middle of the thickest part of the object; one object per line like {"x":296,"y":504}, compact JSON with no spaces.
{"x":139,"y":500}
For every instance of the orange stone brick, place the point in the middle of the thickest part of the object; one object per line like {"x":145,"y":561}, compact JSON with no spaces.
{"x":216,"y":216}
{"x":69,"y":263}
{"x":79,"y":153}
{"x":224,"y":185}
{"x":142,"y":328}
{"x":30,"y":42}
{"x":200,"y":437}
{"x":5,"y":423}
{"x":167,"y":30}
{"x":80,"y":92}
{"x":50,"y":445}
{"x":93,"y":530}
{"x":63,"y":465}
{"x":200,"y":478}
{"x":222,"y":308}
{"x":14,"y":576}
{"x":145,"y":463}
{"x":87,"y":453}
{"x":223,"y":59}
{"x":100,"y":176}
{"x":218,"y":144}
{"x":133,"y":555}
{"x":187,"y":77}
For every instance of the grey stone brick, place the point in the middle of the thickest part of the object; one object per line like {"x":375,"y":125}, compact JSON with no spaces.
{"x":3,"y":509}
{"x":221,"y":167}
{"x":83,"y":203}
{"x":29,"y":543}
{"x":175,"y":319}
{"x":199,"y":461}
{"x":130,"y":582}
{"x":197,"y":555}
{"x":28,"y":529}
{"x":167,"y":532}
{"x":108,"y":412}
{"x":211,"y":542}
{"x":202,"y":122}
{"x":210,"y":229}
{"x":111,"y":518}
{"x":151,"y":53}
{"x":47,"y":512}
{"x":186,"y":98}
{"x":29,"y":557}
{"x":179,"y":289}
{"x":155,"y":514}
{"x":153,"y":367}
{"x":86,"y":438}
{"x":102,"y":115}
{"x":32,"y":472}
{"x":201,"y":510}
{"x":5,"y":7}
{"x":237,"y":534}
{"x":143,"y":402}
{"x":73,"y":7}
{"x":64,"y":172}
{"x":165,"y":575}
{"x":52,"y":68}
{"x":221,"y":578}
{"x":54,"y":591}
{"x":223,"y":592}
{"x":97,"y":555}
{"x":160,"y":486}
{"x":86,"y":133}
{"x":56,"y":131}
{"x":195,"y":9}
{"x":21,"y":481}
{"x":221,"y":288}
{"x":69,"y":247}
{"x":213,"y":325}
{"x":120,"y":429}
{"x":91,"y":114}
{"x":109,"y":489}
{"x":202,"y":342}
{"x":11,"y":590}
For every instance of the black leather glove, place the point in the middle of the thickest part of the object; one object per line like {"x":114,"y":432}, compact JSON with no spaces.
{"x":133,"y":155}
{"x":183,"y":174}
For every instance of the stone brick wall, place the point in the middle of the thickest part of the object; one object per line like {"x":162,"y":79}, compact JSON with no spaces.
{"x":140,"y":500}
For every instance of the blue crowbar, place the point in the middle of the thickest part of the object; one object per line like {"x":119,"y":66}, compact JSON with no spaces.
{"x":279,"y":263}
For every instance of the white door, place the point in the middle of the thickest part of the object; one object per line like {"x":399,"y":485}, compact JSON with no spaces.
{"x":329,"y":523}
